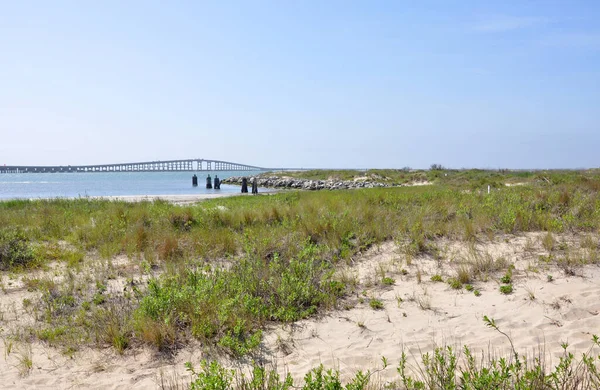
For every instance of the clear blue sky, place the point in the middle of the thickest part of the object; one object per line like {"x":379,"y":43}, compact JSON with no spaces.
{"x":498,"y":84}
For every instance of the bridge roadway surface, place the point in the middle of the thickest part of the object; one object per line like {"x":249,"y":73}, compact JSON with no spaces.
{"x":189,"y":165}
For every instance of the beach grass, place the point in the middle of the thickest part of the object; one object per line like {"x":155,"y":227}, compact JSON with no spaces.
{"x":219,"y":271}
{"x":443,"y":368}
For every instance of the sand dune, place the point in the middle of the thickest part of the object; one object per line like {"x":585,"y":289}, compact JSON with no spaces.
{"x":416,"y":317}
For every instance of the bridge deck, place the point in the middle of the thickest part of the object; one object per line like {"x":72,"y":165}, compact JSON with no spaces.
{"x":189,"y":165}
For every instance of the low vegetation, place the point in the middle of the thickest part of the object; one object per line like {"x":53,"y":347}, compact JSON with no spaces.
{"x":444,"y":368}
{"x":220,"y":270}
{"x":438,"y":174}
{"x":15,"y":250}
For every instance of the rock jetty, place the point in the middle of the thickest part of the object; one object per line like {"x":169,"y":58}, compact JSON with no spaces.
{"x":306,"y":184}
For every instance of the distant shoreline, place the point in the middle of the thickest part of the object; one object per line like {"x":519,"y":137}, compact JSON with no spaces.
{"x":175,"y":199}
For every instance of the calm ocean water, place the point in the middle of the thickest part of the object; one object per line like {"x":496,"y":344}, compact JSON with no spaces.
{"x":71,"y":185}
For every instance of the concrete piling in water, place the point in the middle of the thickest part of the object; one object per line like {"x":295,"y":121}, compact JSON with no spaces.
{"x":254,"y":186}
{"x":194,"y":181}
{"x":244,"y":185}
{"x":208,"y":182}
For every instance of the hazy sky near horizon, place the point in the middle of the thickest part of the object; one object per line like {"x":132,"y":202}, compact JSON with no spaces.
{"x":356,"y":84}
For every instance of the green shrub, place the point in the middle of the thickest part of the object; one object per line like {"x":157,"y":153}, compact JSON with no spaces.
{"x":506,"y":289}
{"x":211,"y":377}
{"x":15,"y":250}
{"x":229,"y":305}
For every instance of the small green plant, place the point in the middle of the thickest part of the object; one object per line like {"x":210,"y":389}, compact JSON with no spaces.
{"x":550,"y":278}
{"x":507,"y":278}
{"x":455,"y":283}
{"x":387,"y":281}
{"x":51,"y":335}
{"x":437,"y":278}
{"x":210,"y":377}
{"x":376,"y":304}
{"x":491,"y":323}
{"x":25,"y":360}
{"x":99,"y":298}
{"x":239,"y":344}
{"x":120,"y":342}
{"x":506,"y":289}
{"x":477,"y":293}
{"x":469,"y":287}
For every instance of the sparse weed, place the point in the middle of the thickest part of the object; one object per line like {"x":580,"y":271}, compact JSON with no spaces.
{"x":399,"y":300}
{"x":548,"y":242}
{"x":423,"y":300}
{"x":530,"y":293}
{"x":437,"y":278}
{"x":463,"y":274}
{"x":25,"y":360}
{"x":376,"y":304}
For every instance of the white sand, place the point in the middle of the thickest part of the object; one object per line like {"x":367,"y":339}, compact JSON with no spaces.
{"x":565,"y":310}
{"x":430,"y":314}
{"x":177,"y":199}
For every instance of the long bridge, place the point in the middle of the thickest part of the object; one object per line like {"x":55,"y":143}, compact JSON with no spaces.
{"x":189,"y":165}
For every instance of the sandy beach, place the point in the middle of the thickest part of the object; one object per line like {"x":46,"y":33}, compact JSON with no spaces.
{"x":179,"y":199}
{"x":176,"y":199}
{"x":548,"y":307}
